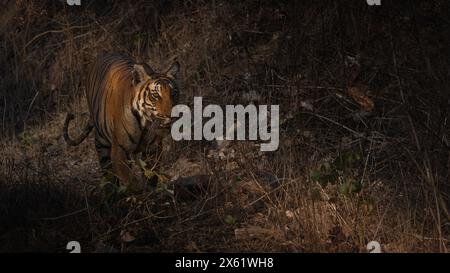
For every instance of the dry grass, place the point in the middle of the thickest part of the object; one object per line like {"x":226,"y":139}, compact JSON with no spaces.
{"x":351,"y":167}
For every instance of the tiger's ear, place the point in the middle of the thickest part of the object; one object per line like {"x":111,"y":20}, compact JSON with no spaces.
{"x":173,"y":70}
{"x":139,"y":74}
{"x":148,"y":68}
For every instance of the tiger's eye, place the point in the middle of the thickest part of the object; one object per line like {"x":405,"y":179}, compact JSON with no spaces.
{"x":155,"y":96}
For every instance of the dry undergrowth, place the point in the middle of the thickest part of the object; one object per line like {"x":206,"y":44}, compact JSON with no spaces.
{"x":363,"y":153}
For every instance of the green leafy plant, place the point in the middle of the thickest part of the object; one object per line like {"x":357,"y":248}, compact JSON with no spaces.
{"x":339,"y":170}
{"x":150,"y":173}
{"x":231,"y":220}
{"x":109,"y":188}
{"x":25,"y":138}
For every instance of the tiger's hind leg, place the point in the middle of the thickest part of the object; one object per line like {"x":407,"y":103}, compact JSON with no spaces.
{"x":104,"y":157}
{"x":109,"y":182}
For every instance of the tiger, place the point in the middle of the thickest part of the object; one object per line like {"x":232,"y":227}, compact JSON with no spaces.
{"x":130,"y":108}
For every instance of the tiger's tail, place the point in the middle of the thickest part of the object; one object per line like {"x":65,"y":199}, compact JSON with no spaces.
{"x":86,"y":130}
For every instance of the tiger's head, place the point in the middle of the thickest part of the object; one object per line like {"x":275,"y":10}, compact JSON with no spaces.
{"x":156,"y":93}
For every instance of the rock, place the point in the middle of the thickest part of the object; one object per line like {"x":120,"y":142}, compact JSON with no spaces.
{"x":184,"y":167}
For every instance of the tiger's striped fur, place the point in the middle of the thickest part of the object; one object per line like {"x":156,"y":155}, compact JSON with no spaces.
{"x":130,"y":107}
